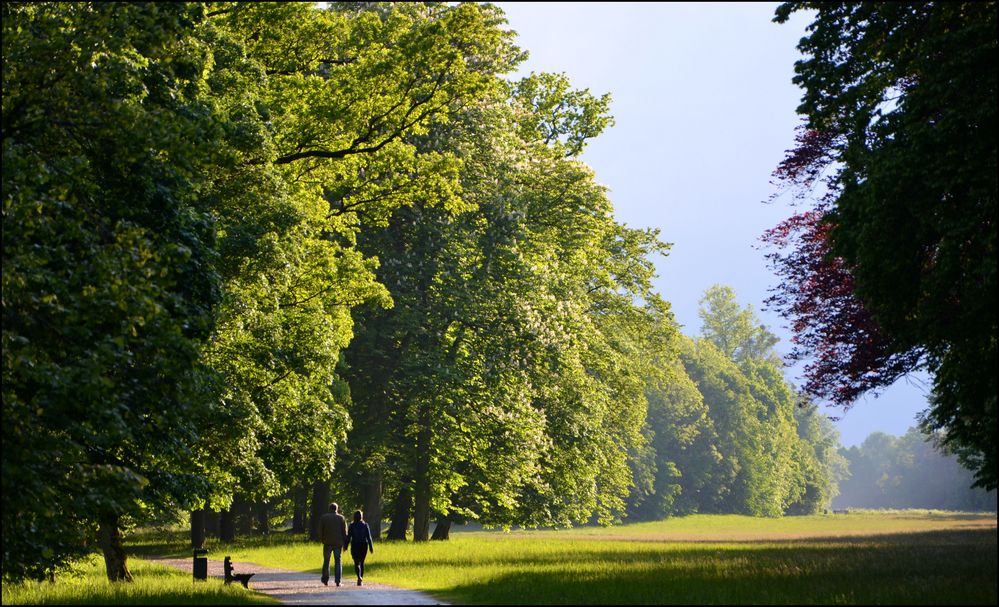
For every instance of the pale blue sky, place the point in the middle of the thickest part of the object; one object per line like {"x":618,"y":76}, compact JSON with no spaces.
{"x":704,"y":109}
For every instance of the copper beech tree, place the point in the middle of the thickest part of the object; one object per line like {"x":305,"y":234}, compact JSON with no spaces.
{"x":895,"y":267}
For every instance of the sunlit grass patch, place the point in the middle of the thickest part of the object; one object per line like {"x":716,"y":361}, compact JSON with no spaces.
{"x":958,"y":569}
{"x":864,"y":557}
{"x":600,"y":565}
{"x":154,"y":585}
{"x":738,"y":528}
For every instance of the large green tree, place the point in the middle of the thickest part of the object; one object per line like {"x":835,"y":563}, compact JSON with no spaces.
{"x":753,"y":471}
{"x":501,"y":370}
{"x":674,"y":472}
{"x":726,"y":431}
{"x":183,"y":187}
{"x":340,"y":95}
{"x":508,"y":325}
{"x":823,"y":466}
{"x":109,"y":277}
{"x":761,"y":463}
{"x":900,"y":101}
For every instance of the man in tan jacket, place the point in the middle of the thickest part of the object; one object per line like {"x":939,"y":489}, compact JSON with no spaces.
{"x":333,"y":533}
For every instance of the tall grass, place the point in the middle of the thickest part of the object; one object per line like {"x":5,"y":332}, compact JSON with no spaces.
{"x":154,"y":585}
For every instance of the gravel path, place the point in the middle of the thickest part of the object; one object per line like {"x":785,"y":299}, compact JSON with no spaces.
{"x":297,"y":588}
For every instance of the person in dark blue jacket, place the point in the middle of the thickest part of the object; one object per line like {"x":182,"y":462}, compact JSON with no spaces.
{"x":359,"y":540}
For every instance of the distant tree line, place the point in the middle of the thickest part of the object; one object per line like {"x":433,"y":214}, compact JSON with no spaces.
{"x":727,"y":433}
{"x":909,"y":471}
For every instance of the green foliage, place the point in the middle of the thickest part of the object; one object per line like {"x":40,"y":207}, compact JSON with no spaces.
{"x":679,"y":456}
{"x":823,"y":466}
{"x":911,"y":471}
{"x":727,"y":434}
{"x":550,"y":112}
{"x":108,"y":275}
{"x":183,"y":189}
{"x":904,"y":97}
{"x":747,"y":449}
{"x":734,"y":330}
{"x":504,"y":394}
{"x":344,"y":93}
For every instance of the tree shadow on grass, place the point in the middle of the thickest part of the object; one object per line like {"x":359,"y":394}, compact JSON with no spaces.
{"x":912,"y":568}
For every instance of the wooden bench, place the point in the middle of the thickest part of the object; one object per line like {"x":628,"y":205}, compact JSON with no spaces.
{"x":243,"y":578}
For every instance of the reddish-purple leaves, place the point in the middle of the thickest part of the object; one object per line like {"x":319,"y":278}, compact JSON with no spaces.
{"x":848,"y":352}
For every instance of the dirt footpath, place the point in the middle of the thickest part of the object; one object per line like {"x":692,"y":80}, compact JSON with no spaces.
{"x":297,"y":588}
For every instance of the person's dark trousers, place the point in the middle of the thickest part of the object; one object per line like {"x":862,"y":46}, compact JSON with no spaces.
{"x":359,"y":562}
{"x":337,"y":565}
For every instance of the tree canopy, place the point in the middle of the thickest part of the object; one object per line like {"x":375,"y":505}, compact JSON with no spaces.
{"x":895,"y":268}
{"x":727,"y":432}
{"x":183,"y":188}
{"x":500,"y":375}
{"x":250,"y":247}
{"x":109,"y":275}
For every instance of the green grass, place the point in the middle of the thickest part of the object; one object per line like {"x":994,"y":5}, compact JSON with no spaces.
{"x":927,"y":568}
{"x":735,"y":527}
{"x":864,"y":557}
{"x":154,"y":585}
{"x":902,"y":557}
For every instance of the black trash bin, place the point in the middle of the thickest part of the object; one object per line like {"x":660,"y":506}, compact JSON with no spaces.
{"x":200,"y":564}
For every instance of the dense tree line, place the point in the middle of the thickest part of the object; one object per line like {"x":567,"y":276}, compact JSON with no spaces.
{"x":183,"y":189}
{"x":205,"y":203}
{"x":909,"y":471}
{"x":728,"y":432}
{"x":509,"y":326}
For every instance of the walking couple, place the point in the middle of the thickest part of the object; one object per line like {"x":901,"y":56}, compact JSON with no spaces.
{"x":336,"y":536}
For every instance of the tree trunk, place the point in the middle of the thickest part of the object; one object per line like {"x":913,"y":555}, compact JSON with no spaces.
{"x":211,"y":522}
{"x":227,"y":526}
{"x":242,"y":515}
{"x":421,"y":513}
{"x":373,"y":504}
{"x":421,"y":505}
{"x":320,"y":505}
{"x":263,"y":518}
{"x":197,"y":529}
{"x":115,"y":559}
{"x":443,"y":529}
{"x":400,"y":515}
{"x":300,"y":498}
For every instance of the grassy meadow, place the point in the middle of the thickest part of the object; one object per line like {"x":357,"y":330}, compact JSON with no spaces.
{"x":884,"y":557}
{"x":154,"y":585}
{"x":904,"y":557}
